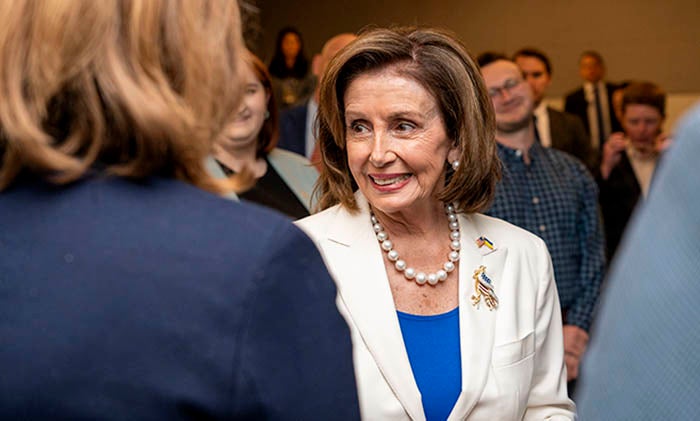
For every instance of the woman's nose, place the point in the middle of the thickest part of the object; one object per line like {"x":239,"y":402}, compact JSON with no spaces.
{"x":381,"y":152}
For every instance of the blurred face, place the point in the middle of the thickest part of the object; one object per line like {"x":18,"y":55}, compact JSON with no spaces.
{"x":510,"y":95}
{"x":396,"y":141}
{"x":590,"y":69}
{"x":330,"y":49}
{"x":642,"y":124}
{"x":248,"y":120}
{"x":535,"y":74}
{"x":291,"y":45}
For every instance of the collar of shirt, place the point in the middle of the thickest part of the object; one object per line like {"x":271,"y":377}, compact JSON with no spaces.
{"x":542,"y":124}
{"x":311,"y":110}
{"x":510,"y":155}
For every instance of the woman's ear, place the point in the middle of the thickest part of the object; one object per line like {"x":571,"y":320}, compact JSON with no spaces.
{"x":455,"y":153}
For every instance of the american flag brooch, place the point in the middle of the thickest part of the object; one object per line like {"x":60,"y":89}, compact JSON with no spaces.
{"x":483,"y":288}
{"x":483,"y":241}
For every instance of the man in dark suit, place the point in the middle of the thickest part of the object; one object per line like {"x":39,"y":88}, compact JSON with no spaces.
{"x":555,"y":128}
{"x":297,"y":123}
{"x":592,"y":102}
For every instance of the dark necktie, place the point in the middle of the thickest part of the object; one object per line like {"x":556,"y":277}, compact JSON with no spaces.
{"x":599,"y":116}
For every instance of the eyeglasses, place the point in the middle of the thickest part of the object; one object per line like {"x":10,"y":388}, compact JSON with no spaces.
{"x":507,"y":87}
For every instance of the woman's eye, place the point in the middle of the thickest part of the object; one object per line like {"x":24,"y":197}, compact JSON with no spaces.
{"x":358,"y":128}
{"x":405,"y":126}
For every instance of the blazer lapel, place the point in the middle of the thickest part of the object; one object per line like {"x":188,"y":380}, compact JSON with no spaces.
{"x":476,"y":324}
{"x":215,"y":171}
{"x":364,"y":289}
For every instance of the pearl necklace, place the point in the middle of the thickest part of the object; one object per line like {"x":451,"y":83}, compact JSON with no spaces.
{"x":410,"y":273}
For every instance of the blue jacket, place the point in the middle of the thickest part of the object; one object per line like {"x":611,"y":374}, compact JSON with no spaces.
{"x":156,"y":300}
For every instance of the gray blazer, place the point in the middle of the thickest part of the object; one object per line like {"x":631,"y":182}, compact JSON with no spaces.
{"x":296,"y":171}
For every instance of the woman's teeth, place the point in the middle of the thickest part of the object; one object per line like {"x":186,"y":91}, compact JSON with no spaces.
{"x":392,"y":180}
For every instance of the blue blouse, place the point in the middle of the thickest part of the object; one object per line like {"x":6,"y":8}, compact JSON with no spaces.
{"x":432,"y":344}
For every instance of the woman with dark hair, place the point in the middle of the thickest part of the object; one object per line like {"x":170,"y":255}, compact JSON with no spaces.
{"x":454,"y":315}
{"x":246,"y":152}
{"x":291,"y":77}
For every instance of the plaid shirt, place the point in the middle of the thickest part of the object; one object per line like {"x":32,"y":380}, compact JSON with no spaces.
{"x":556,"y":198}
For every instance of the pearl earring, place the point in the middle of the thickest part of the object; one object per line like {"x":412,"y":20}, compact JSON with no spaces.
{"x":455,"y":165}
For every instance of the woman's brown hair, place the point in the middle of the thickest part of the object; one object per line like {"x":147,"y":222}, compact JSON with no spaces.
{"x":269,"y":132}
{"x":439,"y":62}
{"x":131,"y":87}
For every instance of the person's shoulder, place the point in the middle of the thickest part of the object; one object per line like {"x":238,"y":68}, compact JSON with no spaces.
{"x":564,"y":115}
{"x":211,"y":215}
{"x":297,"y":112}
{"x":280,"y":154}
{"x":318,"y":224}
{"x":554,"y":112}
{"x":501,"y":231}
{"x":567,"y":160}
{"x":574,"y":93}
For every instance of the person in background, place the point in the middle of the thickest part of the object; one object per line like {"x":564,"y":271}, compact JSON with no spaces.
{"x":593,"y":101}
{"x":297,"y":123}
{"x":557,"y":129}
{"x":292,"y":80}
{"x":454,"y":315}
{"x":246,"y":151}
{"x":551,"y":194}
{"x":631,"y":157}
{"x":129,"y":290}
{"x":643,"y":362}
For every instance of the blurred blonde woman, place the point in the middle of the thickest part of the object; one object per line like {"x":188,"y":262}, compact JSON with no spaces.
{"x":128,"y":290}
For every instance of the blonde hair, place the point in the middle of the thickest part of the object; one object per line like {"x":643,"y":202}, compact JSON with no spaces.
{"x":131,"y":87}
{"x":439,"y":62}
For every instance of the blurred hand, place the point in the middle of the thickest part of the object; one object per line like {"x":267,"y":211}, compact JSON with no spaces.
{"x":663,"y":142}
{"x":575,"y":342}
{"x":612,"y":152}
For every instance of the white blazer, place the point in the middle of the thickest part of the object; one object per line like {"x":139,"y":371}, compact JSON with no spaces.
{"x":512,"y":357}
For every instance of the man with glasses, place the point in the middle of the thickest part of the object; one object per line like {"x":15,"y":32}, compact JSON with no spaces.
{"x":551,"y":194}
{"x":556,"y":129}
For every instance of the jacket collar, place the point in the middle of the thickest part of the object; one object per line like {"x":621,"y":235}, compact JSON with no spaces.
{"x":365,"y":291}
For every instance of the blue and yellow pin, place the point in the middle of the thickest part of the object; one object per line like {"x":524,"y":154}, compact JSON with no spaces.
{"x":483,"y":241}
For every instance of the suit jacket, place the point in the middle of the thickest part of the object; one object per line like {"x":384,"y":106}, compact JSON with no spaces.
{"x":569,"y":135}
{"x":293,"y":129}
{"x":512,"y":358}
{"x":156,"y":300}
{"x":643,"y":361}
{"x":619,"y":195}
{"x":575,"y":103}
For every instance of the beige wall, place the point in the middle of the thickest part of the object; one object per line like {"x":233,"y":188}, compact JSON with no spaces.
{"x":645,"y":39}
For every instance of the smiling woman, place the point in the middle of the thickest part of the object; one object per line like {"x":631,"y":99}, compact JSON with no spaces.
{"x":396,"y":142}
{"x":443,"y":319}
{"x":246,"y":151}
